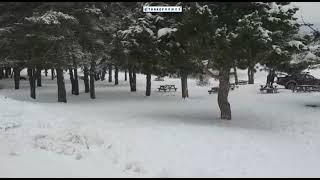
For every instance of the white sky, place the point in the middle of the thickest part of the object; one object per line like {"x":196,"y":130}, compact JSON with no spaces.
{"x":309,"y":10}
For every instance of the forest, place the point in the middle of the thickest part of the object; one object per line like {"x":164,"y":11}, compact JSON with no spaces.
{"x":98,"y":37}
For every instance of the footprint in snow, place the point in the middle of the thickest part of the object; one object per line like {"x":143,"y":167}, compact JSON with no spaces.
{"x":13,"y":154}
{"x":134,"y":167}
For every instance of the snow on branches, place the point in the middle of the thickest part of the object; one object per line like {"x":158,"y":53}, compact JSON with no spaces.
{"x":165,"y":31}
{"x":51,"y":17}
{"x":297,"y":44}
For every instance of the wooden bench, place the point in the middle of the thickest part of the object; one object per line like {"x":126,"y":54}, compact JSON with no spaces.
{"x":242,"y":82}
{"x":213,"y":90}
{"x":162,"y":88}
{"x":306,"y":88}
{"x":172,"y":87}
{"x":167,"y":88}
{"x":23,"y":78}
{"x":233,"y":86}
{"x":315,"y":88}
{"x":159,"y":79}
{"x":268,"y":89}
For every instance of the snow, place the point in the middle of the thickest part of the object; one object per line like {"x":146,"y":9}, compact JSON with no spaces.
{"x":203,"y":9}
{"x":274,"y":8}
{"x":233,"y":35}
{"x":53,"y":38}
{"x":93,"y":10}
{"x":310,"y":56}
{"x":123,"y":134}
{"x":149,"y":15}
{"x":159,"y":18}
{"x":5,"y":30}
{"x":296,"y":44}
{"x":274,"y":19}
{"x":149,"y":31}
{"x":51,"y":17}
{"x":220,"y":31}
{"x":314,"y":47}
{"x":165,"y":31}
{"x":132,"y":29}
{"x":264,"y":33}
{"x":277,"y":49}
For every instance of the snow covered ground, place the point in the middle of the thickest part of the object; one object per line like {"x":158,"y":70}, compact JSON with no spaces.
{"x":124,"y":134}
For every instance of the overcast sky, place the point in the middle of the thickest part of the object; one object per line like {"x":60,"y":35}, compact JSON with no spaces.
{"x":309,"y":10}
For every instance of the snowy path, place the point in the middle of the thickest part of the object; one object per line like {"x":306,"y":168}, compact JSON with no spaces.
{"x":123,"y":134}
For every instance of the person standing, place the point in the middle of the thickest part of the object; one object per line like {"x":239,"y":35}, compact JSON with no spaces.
{"x":270,"y":78}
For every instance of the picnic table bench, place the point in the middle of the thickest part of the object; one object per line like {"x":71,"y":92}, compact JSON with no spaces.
{"x":167,"y":88}
{"x":306,"y":88}
{"x":233,"y":85}
{"x":159,"y":79}
{"x":242,"y":82}
{"x":268,"y":89}
{"x":213,"y":90}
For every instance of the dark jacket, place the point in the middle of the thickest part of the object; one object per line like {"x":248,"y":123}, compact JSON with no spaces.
{"x":270,"y":77}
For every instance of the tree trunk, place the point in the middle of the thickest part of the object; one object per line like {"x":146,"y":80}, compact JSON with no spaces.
{"x":97,"y":76}
{"x":130,"y":78}
{"x":236,"y":81}
{"x":46,"y":72}
{"x":62,"y":95}
{"x":86,"y":79}
{"x":251,"y":75}
{"x":202,"y":80}
{"x":76,"y":82}
{"x":72,"y":81}
{"x":125,"y":74}
{"x":250,"y":68}
{"x":223,"y":93}
{"x":9,"y":71}
{"x":52,"y":74}
{"x":110,"y":73}
{"x":1,"y":73}
{"x":6,"y":74}
{"x":184,"y":85}
{"x":103,"y":73}
{"x":16,"y":72}
{"x":92,"y":79}
{"x":148,"y":85}
{"x":39,"y":84}
{"x":116,"y":73}
{"x":32,"y":82}
{"x":134,"y":80}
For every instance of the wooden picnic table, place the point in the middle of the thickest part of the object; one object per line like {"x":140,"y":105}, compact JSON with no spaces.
{"x":242,"y":82}
{"x":306,"y":88}
{"x":213,"y":90}
{"x":159,"y":79}
{"x":167,"y":87}
{"x":268,"y":89}
{"x":233,"y":85}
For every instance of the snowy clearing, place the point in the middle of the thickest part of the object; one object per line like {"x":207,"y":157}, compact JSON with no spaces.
{"x":123,"y":134}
